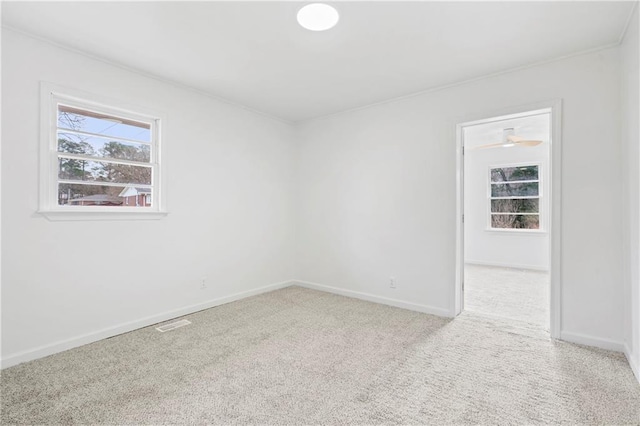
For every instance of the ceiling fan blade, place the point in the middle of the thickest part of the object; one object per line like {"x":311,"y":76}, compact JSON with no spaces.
{"x":490,"y":145}
{"x":529,"y":143}
{"x":520,"y":142}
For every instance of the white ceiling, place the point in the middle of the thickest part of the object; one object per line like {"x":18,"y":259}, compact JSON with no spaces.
{"x":255,"y":53}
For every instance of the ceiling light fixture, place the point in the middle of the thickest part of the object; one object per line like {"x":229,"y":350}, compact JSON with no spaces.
{"x":318,"y":17}
{"x":509,"y":140}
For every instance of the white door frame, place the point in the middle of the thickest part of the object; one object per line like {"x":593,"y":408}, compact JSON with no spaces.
{"x":555,"y":229}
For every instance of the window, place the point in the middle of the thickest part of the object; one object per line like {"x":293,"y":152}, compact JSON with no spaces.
{"x":98,"y":158}
{"x":514,"y":197}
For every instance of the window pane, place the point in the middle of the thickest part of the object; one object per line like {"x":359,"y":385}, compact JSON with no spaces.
{"x":513,"y":221}
{"x":509,"y":174}
{"x":527,"y":205}
{"x":98,"y":147}
{"x":103,"y":172}
{"x":103,"y":124}
{"x":105,"y":196}
{"x":525,"y":189}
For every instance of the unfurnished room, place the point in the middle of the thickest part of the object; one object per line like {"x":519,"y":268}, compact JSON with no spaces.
{"x":346,"y":212}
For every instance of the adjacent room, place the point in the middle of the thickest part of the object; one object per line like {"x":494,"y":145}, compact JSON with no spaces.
{"x":282,"y":212}
{"x":507,"y":201}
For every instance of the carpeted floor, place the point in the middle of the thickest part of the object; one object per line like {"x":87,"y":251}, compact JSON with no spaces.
{"x":518,"y":294}
{"x":298,"y":356}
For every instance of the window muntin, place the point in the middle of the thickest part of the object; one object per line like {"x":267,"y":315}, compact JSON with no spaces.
{"x":104,"y":160}
{"x":514,"y":197}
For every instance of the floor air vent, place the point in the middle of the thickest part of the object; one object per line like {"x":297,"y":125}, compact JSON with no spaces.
{"x":173,"y":325}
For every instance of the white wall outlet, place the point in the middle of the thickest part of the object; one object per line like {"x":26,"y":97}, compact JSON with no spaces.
{"x":203,"y":283}
{"x":392,"y":282}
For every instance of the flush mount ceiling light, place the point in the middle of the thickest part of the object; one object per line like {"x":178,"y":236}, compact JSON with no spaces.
{"x":318,"y":17}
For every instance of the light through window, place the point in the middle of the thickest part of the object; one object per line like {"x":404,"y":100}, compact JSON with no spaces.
{"x":515,"y":197}
{"x":103,"y":159}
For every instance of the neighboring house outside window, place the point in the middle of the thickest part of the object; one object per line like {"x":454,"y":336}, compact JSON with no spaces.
{"x":514,"y":197}
{"x":139,"y":197}
{"x":98,"y":157}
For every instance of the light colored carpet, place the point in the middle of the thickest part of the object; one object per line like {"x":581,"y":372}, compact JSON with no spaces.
{"x":518,"y":294}
{"x":298,"y":356}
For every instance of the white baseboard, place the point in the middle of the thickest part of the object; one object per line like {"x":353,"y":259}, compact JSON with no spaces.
{"x":507,"y":265}
{"x":583,"y":339}
{"x":105,"y":333}
{"x":377,"y":299}
{"x":632,"y":361}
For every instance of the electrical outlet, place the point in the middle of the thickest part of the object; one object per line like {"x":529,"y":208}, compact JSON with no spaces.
{"x":392,"y":282}
{"x":203,"y":284}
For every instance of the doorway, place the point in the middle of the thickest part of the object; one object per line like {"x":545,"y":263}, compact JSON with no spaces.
{"x":508,"y":254}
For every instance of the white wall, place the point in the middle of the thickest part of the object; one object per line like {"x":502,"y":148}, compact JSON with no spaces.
{"x":512,"y":248}
{"x":229,"y":198}
{"x":377,"y":191}
{"x":631,"y":146}
{"x":374,"y":192}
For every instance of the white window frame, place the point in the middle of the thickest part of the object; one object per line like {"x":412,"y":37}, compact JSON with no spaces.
{"x":51,"y":96}
{"x":540,"y":214}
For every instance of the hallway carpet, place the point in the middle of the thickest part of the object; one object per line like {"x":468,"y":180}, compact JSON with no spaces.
{"x":298,"y":356}
{"x":518,"y":294}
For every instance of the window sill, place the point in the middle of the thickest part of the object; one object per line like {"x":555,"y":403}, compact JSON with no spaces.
{"x":532,"y":232}
{"x":58,"y":215}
